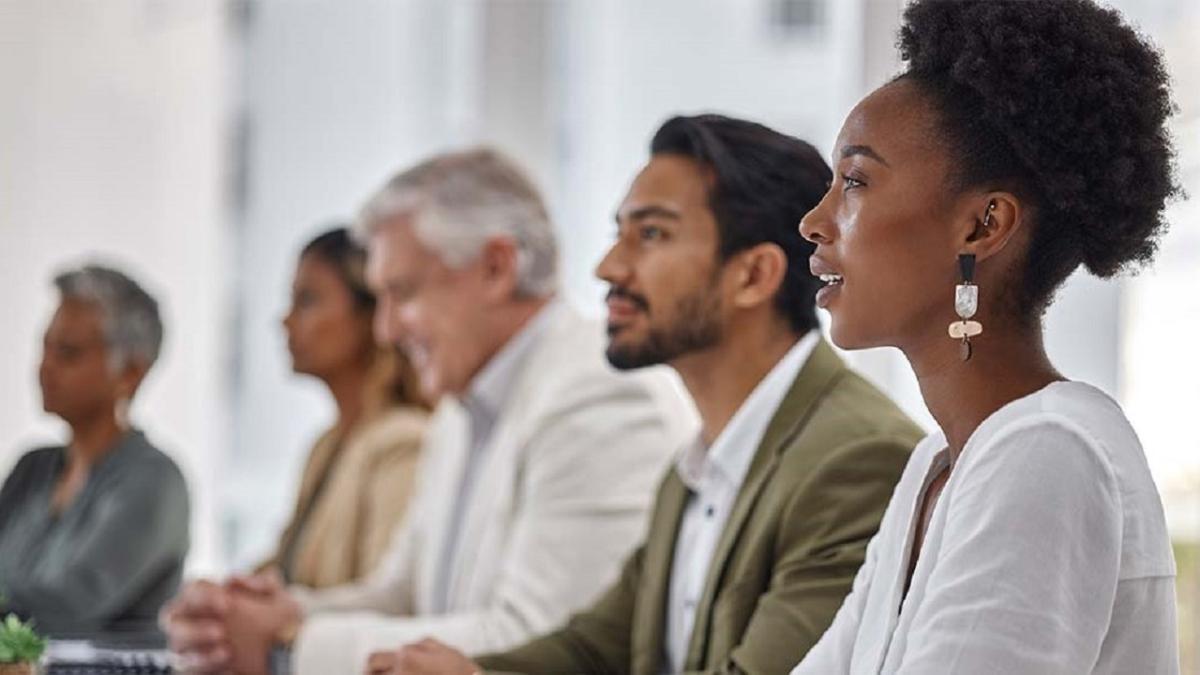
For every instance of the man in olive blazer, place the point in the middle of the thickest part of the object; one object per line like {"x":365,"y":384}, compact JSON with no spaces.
{"x":758,"y":531}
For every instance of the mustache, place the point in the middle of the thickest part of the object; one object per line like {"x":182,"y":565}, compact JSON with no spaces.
{"x":625,"y":294}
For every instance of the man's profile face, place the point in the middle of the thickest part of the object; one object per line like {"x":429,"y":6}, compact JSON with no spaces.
{"x":665,"y":298}
{"x":430,"y":310}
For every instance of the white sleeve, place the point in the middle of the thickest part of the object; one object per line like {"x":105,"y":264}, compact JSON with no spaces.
{"x":1026,"y":578}
{"x":589,"y":479}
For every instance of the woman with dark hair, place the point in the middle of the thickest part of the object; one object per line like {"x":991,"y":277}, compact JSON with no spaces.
{"x":1026,"y":536}
{"x":359,"y":475}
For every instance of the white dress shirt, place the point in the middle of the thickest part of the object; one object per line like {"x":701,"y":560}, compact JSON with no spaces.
{"x":714,"y":476}
{"x":1046,"y":553}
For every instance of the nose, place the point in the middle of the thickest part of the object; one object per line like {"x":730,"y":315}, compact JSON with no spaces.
{"x":614,"y":268}
{"x":816,"y":225}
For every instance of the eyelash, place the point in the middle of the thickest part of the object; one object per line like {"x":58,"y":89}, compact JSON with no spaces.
{"x":846,"y":180}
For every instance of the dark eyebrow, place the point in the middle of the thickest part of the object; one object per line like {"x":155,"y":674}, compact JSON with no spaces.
{"x":643,"y":212}
{"x":865,"y":151}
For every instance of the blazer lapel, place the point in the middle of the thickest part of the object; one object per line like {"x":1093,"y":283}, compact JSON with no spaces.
{"x":487,"y":518}
{"x":653,"y":591}
{"x":814,"y":380}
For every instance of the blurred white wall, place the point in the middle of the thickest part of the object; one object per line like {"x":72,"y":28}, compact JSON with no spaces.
{"x":111,"y":147}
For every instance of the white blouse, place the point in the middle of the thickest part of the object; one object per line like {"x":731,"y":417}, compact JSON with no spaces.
{"x":1047,"y":552}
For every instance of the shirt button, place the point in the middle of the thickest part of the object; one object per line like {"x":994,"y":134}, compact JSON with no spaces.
{"x":709,"y":511}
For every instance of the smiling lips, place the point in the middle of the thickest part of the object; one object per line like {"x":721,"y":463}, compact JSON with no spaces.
{"x":833,"y":280}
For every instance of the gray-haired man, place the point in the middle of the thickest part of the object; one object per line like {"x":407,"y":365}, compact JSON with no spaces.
{"x":540,"y":463}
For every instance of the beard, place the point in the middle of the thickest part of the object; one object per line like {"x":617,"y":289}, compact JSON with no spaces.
{"x":695,"y":325}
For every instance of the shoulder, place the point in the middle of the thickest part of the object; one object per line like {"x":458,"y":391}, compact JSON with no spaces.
{"x":1064,"y":453}
{"x":398,"y":430}
{"x":31,"y":465}
{"x":852,"y":421}
{"x":39,"y":457}
{"x":143,"y":462}
{"x":1067,"y":425}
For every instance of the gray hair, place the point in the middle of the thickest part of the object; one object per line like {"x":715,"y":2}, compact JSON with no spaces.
{"x":133,"y":330}
{"x":460,"y":200}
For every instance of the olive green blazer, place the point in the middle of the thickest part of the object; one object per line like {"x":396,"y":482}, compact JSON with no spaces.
{"x":798,"y":531}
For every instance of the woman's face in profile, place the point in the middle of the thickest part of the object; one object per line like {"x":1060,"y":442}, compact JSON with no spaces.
{"x":885,"y":227}
{"x":326,"y":332}
{"x":75,"y":374}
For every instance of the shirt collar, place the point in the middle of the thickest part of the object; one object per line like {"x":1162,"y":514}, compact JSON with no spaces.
{"x":731,"y":452}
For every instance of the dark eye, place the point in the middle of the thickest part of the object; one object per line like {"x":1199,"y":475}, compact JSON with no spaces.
{"x":650,"y":232}
{"x":69,"y":352}
{"x":850,"y":182}
{"x":306,"y":299}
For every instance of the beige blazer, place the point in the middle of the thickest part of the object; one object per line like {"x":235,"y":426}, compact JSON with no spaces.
{"x":564,"y":493}
{"x":351,"y":518}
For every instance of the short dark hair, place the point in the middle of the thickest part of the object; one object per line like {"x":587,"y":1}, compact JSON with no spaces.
{"x":764,"y":183}
{"x":1063,"y":104}
{"x":337,"y":248}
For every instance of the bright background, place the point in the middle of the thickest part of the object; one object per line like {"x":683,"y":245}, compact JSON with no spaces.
{"x":199,"y":143}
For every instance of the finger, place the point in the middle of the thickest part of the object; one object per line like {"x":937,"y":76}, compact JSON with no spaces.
{"x":196,"y":635}
{"x":200,"y":597}
{"x":214,"y":662}
{"x":381,"y":663}
{"x":274,"y":577}
{"x":253,"y":585}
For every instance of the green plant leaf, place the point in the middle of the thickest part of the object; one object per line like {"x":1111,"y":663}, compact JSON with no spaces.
{"x":19,"y":643}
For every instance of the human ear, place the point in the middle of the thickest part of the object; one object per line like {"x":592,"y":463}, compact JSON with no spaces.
{"x":760,"y":273}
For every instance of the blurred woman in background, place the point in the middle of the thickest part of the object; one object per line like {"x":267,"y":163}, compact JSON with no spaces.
{"x":93,"y":534}
{"x":359,"y":475}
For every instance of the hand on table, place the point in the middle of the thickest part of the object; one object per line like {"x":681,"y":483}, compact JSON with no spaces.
{"x":230,"y":628}
{"x":427,"y":657}
{"x":194,"y":622}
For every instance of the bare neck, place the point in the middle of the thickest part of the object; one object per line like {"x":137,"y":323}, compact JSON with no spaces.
{"x":94,"y":437}
{"x":722,"y":377}
{"x":349,"y":394}
{"x":1006,"y":365}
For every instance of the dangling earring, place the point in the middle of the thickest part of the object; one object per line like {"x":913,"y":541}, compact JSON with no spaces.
{"x":121,"y":412}
{"x":966,"y":298}
{"x":966,"y":303}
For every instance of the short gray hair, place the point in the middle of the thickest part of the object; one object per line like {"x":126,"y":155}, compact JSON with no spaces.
{"x":133,"y":329}
{"x":460,"y":200}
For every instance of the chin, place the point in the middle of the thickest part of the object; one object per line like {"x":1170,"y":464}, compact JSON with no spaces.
{"x":847,"y":337}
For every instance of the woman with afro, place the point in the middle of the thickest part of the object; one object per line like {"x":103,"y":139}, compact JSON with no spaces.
{"x":1026,"y":536}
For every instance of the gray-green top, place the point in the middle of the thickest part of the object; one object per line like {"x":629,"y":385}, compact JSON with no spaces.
{"x":112,"y":558}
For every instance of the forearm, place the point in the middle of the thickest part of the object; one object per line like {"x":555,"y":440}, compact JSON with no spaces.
{"x":563,"y":651}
